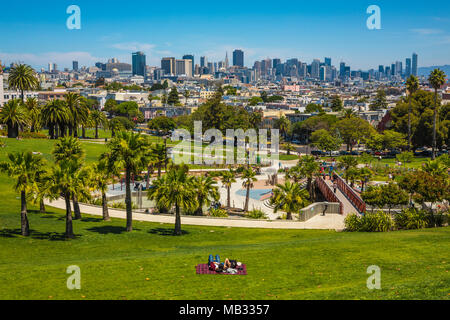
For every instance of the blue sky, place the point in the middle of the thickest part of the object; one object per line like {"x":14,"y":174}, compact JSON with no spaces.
{"x":36,"y":32}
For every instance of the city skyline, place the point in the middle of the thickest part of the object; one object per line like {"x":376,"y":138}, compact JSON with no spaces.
{"x":300,"y":30}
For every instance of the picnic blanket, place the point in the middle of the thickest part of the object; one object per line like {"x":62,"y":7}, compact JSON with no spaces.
{"x":204,"y":269}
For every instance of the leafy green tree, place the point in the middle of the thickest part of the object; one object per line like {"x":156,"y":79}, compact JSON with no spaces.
{"x":24,"y":167}
{"x":162,"y":124}
{"x":323,"y":140}
{"x":130,"y":151}
{"x":336,"y":104}
{"x":437,"y":80}
{"x":56,"y":116}
{"x":14,"y":115}
{"x":405,"y":157}
{"x":313,"y":108}
{"x":228,"y":178}
{"x":23,"y":78}
{"x":159,"y":156}
{"x":173,"y":97}
{"x":290,"y":198}
{"x":380,"y":101}
{"x":354,"y":130}
{"x":175,"y":189}
{"x":254,"y":101}
{"x":248,"y":177}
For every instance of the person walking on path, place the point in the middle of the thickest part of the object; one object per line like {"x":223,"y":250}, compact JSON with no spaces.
{"x":335,"y":187}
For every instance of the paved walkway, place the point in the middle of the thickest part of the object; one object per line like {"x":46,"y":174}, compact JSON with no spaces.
{"x":329,"y":222}
{"x":348,"y":206}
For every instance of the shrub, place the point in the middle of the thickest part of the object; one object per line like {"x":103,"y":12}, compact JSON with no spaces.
{"x":32,"y":135}
{"x":370,"y":222}
{"x":256,"y":214}
{"x":121,"y":205}
{"x":411,"y":219}
{"x":218,"y":213}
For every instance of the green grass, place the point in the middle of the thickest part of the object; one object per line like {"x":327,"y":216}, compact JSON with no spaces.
{"x":150,"y":263}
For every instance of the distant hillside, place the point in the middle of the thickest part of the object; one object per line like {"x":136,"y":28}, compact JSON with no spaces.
{"x":425,"y":71}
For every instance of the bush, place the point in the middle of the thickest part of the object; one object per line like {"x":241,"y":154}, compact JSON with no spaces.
{"x":32,"y":135}
{"x":370,"y":222}
{"x":218,"y":213}
{"x":410,"y":219}
{"x":121,"y":205}
{"x":256,"y":214}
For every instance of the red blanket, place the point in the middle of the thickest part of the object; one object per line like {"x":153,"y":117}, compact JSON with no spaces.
{"x":204,"y":269}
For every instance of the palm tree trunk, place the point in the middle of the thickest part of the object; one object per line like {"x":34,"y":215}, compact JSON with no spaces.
{"x":229,"y":197}
{"x":83,"y":132}
{"x":76,"y":207}
{"x":105,"y":207}
{"x":247,"y":198}
{"x":288,"y":215}
{"x":199,"y":211}
{"x":42,"y":206}
{"x":25,"y":227}
{"x":434,"y":125}
{"x":69,"y":227}
{"x":96,"y":132}
{"x":177,"y":230}
{"x":409,"y":125}
{"x":128,"y":200}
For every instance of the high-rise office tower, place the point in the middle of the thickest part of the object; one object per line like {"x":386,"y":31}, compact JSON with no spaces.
{"x":381,"y":69}
{"x":398,"y":68}
{"x":276,"y":62}
{"x":190,"y":57}
{"x":323,"y":73}
{"x":238,"y":58}
{"x":184,"y":67}
{"x":393,"y":70}
{"x":328,"y":62}
{"x":342,"y":70}
{"x":168,"y":65}
{"x":408,"y":67}
{"x":203,"y":62}
{"x":415,"y":59}
{"x":75,"y":65}
{"x":139,"y":64}
{"x":315,"y":68}
{"x":227,"y":62}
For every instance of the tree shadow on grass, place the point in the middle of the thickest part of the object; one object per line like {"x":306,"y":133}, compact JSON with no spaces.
{"x":108,"y":229}
{"x":166,"y":232}
{"x":37,"y":235}
{"x":91,"y":220}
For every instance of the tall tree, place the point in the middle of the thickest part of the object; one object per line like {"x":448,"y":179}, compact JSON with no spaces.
{"x":412,"y":85}
{"x":22,"y":77}
{"x":128,"y":150}
{"x":14,"y":115}
{"x":228,"y":178}
{"x":290,"y":198}
{"x":206,"y":191}
{"x":248,"y":177}
{"x":175,"y":189}
{"x":309,"y":168}
{"x":98,"y":119}
{"x":34,"y":113}
{"x":56,"y":116}
{"x":437,"y":80}
{"x":24,"y":167}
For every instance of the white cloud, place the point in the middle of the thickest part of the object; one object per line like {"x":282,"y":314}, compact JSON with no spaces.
{"x":41,"y":60}
{"x":133,"y":46}
{"x":426,"y":32}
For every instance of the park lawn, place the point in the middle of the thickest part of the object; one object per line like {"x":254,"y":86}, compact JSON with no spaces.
{"x":150,"y":263}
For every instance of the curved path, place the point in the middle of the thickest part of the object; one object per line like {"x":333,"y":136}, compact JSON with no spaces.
{"x":329,"y":222}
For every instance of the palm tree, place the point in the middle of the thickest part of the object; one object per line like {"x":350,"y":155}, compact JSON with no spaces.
{"x":309,"y":168}
{"x":14,"y":115}
{"x":24,"y":167}
{"x":228,"y":178}
{"x":100,"y":177}
{"x":128,"y":150}
{"x":283,"y":125}
{"x":436,"y":79}
{"x":206,"y":191}
{"x":115,"y":125}
{"x":69,"y":148}
{"x":55,"y":115}
{"x":175,"y":189}
{"x":159,"y":156}
{"x":34,"y":113}
{"x":365,"y":174}
{"x":186,"y":95}
{"x":23,"y":78}
{"x":78,"y":112}
{"x":69,"y":179}
{"x":98,"y":118}
{"x":289,"y":198}
{"x":249,"y":177}
{"x":44,"y":183}
{"x":412,"y":85}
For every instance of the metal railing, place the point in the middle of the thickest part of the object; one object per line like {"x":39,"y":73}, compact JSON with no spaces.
{"x":351,"y":195}
{"x":329,"y":194}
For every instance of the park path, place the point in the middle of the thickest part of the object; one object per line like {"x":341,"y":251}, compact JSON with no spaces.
{"x":349,"y":208}
{"x":329,"y":222}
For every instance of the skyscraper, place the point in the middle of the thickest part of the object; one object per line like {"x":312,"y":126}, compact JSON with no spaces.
{"x":238,"y":58}
{"x":408,"y":67}
{"x":168,"y":65}
{"x":139,"y":64}
{"x":203,"y":62}
{"x":315,"y":68}
{"x":75,"y":65}
{"x":342,"y":70}
{"x":328,"y":62}
{"x":415,"y":59}
{"x":190,"y":57}
{"x":184,"y":67}
{"x":227,"y":63}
